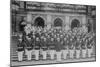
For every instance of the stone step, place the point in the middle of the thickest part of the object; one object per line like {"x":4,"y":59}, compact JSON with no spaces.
{"x":15,"y":57}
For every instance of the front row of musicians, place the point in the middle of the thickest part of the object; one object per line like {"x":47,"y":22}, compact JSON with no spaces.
{"x":52,"y":48}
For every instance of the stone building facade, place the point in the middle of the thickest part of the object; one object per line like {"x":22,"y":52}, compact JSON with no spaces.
{"x":53,"y":14}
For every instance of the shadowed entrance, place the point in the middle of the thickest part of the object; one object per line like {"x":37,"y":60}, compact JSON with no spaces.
{"x":39,"y":22}
{"x":75,"y":23}
{"x":58,"y":22}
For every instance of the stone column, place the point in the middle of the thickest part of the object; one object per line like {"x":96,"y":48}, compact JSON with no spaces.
{"x":49,"y":22}
{"x":29,"y":18}
{"x":67,"y":22}
{"x":84,"y":20}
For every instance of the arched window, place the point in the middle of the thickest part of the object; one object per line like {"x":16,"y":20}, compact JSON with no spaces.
{"x":75,"y":23}
{"x":39,"y":22}
{"x":58,"y":22}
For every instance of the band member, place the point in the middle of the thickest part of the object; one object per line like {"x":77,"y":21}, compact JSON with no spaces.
{"x":84,"y":48}
{"x":44,"y":47}
{"x":71,"y":49}
{"x":33,"y":43}
{"x":52,"y":49}
{"x":90,"y":47}
{"x":37,"y":48}
{"x":65,"y":48}
{"x":58,"y":47}
{"x":48,"y":43}
{"x":20,"y":49}
{"x":29,"y":48}
{"x":77,"y":47}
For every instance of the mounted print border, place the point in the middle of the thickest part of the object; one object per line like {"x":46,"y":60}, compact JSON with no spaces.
{"x":51,"y":33}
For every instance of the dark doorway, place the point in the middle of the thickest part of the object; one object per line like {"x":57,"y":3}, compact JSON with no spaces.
{"x":58,"y":22}
{"x":75,"y":23}
{"x":39,"y":22}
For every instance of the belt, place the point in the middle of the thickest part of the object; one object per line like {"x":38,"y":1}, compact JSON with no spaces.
{"x":44,"y":47}
{"x":36,"y":46}
{"x":51,"y":46}
{"x":83,"y":48}
{"x":20,"y":47}
{"x":78,"y":48}
{"x":20,"y":50}
{"x":28,"y":47}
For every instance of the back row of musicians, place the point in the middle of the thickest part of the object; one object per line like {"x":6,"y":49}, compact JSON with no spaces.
{"x":57,"y":43}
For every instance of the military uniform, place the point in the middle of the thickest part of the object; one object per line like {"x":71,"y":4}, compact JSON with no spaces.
{"x":51,"y":48}
{"x":65,"y":48}
{"x":58,"y":47}
{"x":77,"y":47}
{"x":44,"y":47}
{"x":29,"y":48}
{"x":37,"y":48}
{"x":84,"y":49}
{"x":33,"y":43}
{"x":90,"y":47}
{"x":71,"y":49}
{"x":20,"y":49}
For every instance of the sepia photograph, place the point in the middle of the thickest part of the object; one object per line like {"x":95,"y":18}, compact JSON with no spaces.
{"x":44,"y":33}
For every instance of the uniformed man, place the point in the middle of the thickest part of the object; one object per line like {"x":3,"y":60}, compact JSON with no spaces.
{"x":29,"y":48}
{"x":33,"y":43}
{"x":58,"y":47}
{"x":77,"y":48}
{"x":48,"y":41}
{"x":44,"y":48}
{"x":84,"y":48}
{"x":90,"y":47}
{"x":52,"y":49}
{"x":37,"y":48}
{"x":65,"y":48}
{"x":20,"y":49}
{"x":71,"y":49}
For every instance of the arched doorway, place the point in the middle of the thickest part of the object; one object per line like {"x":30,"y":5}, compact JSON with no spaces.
{"x":75,"y":23}
{"x":58,"y":22}
{"x":39,"y":22}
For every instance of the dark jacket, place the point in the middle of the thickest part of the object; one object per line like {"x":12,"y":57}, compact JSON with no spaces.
{"x":58,"y":45}
{"x":44,"y":44}
{"x":20,"y":46}
{"x":65,"y":44}
{"x":70,"y":45}
{"x":37,"y":44}
{"x":77,"y":45}
{"x":51,"y":44}
{"x":83,"y":45}
{"x":28,"y":44}
{"x":89,"y":45}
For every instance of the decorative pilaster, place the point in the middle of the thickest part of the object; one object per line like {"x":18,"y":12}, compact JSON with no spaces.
{"x":67,"y":21}
{"x":49,"y":18}
{"x":29,"y":18}
{"x":83,"y":20}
